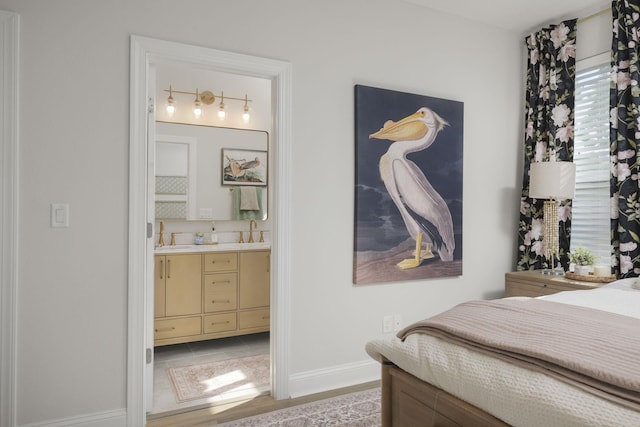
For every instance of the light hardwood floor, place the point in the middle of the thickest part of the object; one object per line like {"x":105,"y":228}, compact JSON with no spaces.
{"x":212,"y":415}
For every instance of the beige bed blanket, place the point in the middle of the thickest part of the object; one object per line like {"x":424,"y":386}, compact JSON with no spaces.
{"x":592,"y":349}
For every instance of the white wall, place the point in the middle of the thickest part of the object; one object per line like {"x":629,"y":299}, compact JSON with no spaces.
{"x":74,"y":148}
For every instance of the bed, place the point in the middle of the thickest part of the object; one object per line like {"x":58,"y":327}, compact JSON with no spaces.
{"x":465,"y":367}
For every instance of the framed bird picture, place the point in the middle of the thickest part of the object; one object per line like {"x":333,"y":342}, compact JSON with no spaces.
{"x":244,"y":167}
{"x":408,"y":186}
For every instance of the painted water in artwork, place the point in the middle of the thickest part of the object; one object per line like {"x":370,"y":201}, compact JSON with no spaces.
{"x":408,"y":186}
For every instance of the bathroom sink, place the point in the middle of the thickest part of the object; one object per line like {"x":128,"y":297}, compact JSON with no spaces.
{"x":213,"y":248}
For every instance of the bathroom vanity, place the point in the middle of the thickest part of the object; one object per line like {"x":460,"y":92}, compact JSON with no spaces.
{"x":211,"y":291}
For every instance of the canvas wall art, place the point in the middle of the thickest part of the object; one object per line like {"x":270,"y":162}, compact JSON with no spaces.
{"x":408,"y":186}
{"x":244,"y":167}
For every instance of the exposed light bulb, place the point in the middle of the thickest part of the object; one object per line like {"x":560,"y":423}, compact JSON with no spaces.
{"x":171,"y":108}
{"x":245,"y":114}
{"x":197,"y":108}
{"x":222,"y":114}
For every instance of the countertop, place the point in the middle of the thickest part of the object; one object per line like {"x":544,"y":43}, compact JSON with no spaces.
{"x":218,"y":247}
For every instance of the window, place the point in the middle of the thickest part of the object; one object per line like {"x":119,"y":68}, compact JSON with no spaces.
{"x":591,"y":208}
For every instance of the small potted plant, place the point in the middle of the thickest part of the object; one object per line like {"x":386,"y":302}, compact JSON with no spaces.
{"x":583,"y":259}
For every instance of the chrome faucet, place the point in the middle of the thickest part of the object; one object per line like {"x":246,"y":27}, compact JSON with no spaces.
{"x":252,"y":223}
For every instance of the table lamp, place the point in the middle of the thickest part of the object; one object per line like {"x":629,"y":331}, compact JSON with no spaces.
{"x":551,"y":181}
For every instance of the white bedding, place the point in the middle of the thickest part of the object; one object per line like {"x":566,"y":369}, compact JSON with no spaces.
{"x":516,"y":395}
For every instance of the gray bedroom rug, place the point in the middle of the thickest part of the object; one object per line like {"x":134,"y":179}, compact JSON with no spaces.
{"x":359,"y":409}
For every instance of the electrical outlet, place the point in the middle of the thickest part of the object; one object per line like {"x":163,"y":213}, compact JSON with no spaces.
{"x":387,"y":324}
{"x":397,"y":322}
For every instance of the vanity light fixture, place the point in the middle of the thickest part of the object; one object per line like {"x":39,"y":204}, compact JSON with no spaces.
{"x":222,"y":114}
{"x":197,"y":108}
{"x":205,"y":98}
{"x":171,"y":108}
{"x":245,"y":114}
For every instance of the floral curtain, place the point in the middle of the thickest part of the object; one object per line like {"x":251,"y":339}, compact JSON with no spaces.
{"x":625,"y":135}
{"x":549,"y":113}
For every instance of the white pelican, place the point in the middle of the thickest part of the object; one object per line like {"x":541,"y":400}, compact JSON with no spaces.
{"x":422,"y":208}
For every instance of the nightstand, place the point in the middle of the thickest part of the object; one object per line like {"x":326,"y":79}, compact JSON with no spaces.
{"x":533,"y":283}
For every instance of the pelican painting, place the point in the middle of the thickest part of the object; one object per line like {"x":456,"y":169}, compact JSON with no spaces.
{"x":423,"y":210}
{"x":408,"y":199}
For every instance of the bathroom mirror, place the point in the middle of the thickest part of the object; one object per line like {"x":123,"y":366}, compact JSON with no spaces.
{"x":191,"y":183}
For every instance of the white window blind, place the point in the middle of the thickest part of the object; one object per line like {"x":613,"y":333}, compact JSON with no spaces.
{"x":590,"y":220}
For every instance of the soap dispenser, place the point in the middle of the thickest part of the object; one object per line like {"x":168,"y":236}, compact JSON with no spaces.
{"x":214,"y":235}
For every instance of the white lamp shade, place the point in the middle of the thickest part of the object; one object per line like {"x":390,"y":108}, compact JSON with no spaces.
{"x":555,"y":180}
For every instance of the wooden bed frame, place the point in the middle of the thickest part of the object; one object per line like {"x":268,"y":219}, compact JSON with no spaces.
{"x":409,"y":401}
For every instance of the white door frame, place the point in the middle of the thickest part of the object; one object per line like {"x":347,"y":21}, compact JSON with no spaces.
{"x":144,"y":51}
{"x":9,"y":52}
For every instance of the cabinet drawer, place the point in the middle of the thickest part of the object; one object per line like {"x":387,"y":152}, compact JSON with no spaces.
{"x":220,"y":261}
{"x":219,"y":323}
{"x":220,"y":292}
{"x":172,"y":328}
{"x":533,"y":283}
{"x":519,"y":289}
{"x":254,"y":318}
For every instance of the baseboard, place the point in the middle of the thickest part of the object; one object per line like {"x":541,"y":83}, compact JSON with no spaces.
{"x":334,"y":377}
{"x":301,"y":384}
{"x":115,"y":418}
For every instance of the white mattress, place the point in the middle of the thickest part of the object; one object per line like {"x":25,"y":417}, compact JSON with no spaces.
{"x":516,"y":395}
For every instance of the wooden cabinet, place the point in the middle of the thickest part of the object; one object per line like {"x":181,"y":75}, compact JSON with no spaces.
{"x":254,"y":279}
{"x":254,"y":290}
{"x":201,"y":296}
{"x":177,"y":293}
{"x":177,"y":277}
{"x":534,"y":284}
{"x":182,"y":285}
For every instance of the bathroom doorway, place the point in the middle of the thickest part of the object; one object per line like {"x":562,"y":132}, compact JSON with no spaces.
{"x":190,"y":200}
{"x":145,"y":53}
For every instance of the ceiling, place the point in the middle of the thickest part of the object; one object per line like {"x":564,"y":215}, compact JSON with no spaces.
{"x":521,"y":16}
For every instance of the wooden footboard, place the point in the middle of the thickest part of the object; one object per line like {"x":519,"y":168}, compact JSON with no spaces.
{"x":409,"y":401}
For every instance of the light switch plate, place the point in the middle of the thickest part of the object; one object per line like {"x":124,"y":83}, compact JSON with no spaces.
{"x":387,"y":324}
{"x":59,"y":215}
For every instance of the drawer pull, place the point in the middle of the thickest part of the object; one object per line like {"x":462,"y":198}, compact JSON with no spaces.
{"x":222,"y":282}
{"x":218,"y":323}
{"x":265,"y":317}
{"x":226,"y":260}
{"x":172,"y":328}
{"x":220,"y":301}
